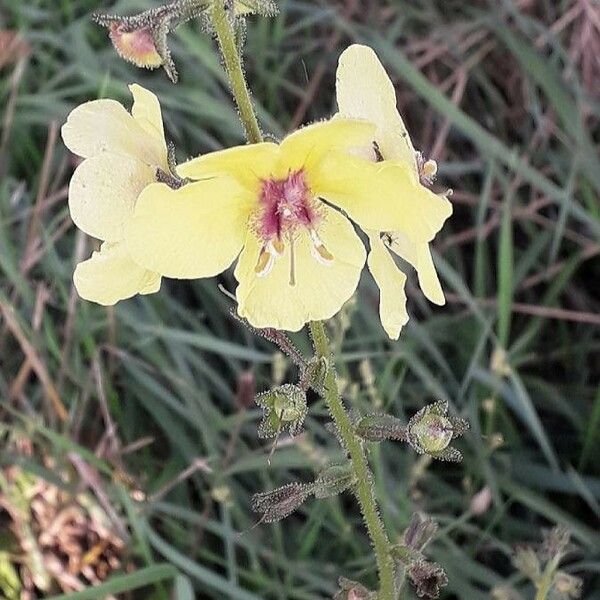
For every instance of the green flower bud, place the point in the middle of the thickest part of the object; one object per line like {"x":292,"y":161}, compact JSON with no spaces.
{"x":284,"y":408}
{"x":380,"y":427}
{"x":431,"y":430}
{"x":334,"y":480}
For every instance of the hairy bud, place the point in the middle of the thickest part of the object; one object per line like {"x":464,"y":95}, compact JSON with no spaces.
{"x":334,"y":480}
{"x":567,"y":586}
{"x":428,"y":578}
{"x":556,"y":543}
{"x":142,"y":39}
{"x":280,"y":502}
{"x":431,"y":430}
{"x":352,"y":590}
{"x":380,"y":427}
{"x":419,"y":532}
{"x":527,"y":562}
{"x":283,"y":407}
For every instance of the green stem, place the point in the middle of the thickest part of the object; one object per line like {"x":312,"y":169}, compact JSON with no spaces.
{"x":544,"y":585}
{"x":233,"y":66}
{"x":364,"y":487}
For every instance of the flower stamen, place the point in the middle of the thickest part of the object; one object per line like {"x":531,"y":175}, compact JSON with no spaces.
{"x":318,"y":249}
{"x":265,"y":262}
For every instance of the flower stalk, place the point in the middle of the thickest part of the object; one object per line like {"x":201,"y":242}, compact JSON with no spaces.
{"x":364,"y":488}
{"x":233,"y":66}
{"x":362,"y":472}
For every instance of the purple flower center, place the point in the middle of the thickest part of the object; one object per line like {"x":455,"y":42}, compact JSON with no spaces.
{"x":285,"y":205}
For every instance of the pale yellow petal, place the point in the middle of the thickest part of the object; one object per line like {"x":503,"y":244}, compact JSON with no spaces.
{"x":247,"y":164}
{"x":306,"y":147}
{"x":146,"y":111}
{"x":381,"y":196}
{"x":195,"y":231}
{"x":103,"y":192}
{"x":391,"y":282}
{"x":418,"y":254}
{"x":320,"y":289}
{"x":105,"y":126}
{"x":365,"y":91}
{"x":111,"y":275}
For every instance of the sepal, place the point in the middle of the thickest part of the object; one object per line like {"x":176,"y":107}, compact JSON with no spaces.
{"x":380,"y":427}
{"x":334,"y":480}
{"x":280,"y":502}
{"x":284,"y":407}
{"x":428,"y":578}
{"x":431,"y":430}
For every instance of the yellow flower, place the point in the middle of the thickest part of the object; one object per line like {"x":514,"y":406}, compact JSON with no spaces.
{"x":122,"y":153}
{"x":299,"y":257}
{"x":364,"y":91}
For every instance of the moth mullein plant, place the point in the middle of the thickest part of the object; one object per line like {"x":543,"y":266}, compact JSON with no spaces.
{"x":294,"y":217}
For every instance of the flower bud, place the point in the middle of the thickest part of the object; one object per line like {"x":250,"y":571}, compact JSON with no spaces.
{"x":527,"y":562}
{"x":431,"y":430}
{"x":567,"y":586}
{"x":555,"y":543}
{"x":334,"y":480}
{"x":419,"y":532}
{"x":142,"y":39}
{"x":428,"y":578}
{"x":380,"y":427}
{"x":284,"y":408}
{"x":352,"y":590}
{"x":136,"y":46}
{"x":280,"y":502}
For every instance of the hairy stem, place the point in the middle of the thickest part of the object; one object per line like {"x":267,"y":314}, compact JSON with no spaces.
{"x":235,"y":73}
{"x":364,"y":487}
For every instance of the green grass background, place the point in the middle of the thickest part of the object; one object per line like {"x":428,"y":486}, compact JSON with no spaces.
{"x":493,"y":89}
